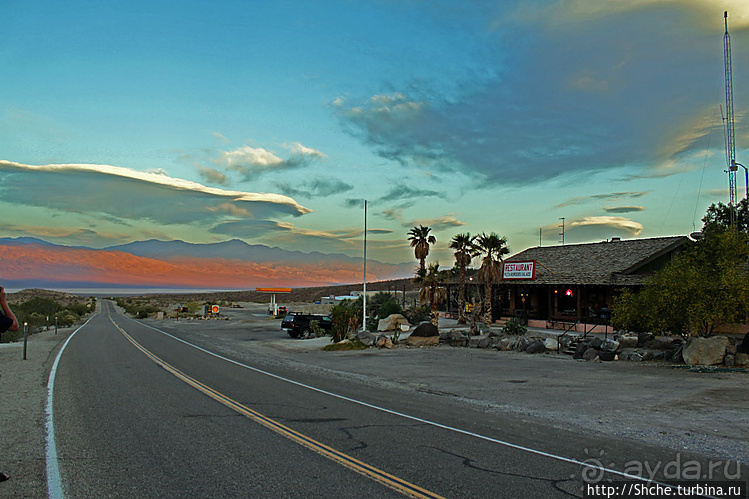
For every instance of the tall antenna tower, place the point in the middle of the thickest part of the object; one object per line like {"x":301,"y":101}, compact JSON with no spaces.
{"x":730,"y":134}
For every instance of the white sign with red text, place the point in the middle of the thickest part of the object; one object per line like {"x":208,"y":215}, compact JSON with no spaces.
{"x":519,"y":270}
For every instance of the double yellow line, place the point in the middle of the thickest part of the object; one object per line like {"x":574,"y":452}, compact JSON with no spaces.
{"x":345,"y":460}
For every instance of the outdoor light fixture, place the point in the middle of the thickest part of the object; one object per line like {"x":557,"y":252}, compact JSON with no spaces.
{"x":569,"y":292}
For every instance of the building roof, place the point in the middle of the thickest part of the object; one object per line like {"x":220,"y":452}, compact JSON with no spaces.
{"x":615,"y":262}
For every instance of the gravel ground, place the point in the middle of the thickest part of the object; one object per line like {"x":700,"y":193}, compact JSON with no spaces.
{"x":705,"y":413}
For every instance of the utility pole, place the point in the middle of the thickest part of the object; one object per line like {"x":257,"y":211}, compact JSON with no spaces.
{"x":730,"y":133}
{"x":364,"y":291}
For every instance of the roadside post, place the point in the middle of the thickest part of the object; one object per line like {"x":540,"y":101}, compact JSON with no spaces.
{"x":25,"y":338}
{"x":55,"y":324}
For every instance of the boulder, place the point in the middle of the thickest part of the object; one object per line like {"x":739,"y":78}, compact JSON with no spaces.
{"x":366,"y":337}
{"x":485,"y":342}
{"x":422,"y":341}
{"x":628,"y":341}
{"x":705,"y":351}
{"x":730,"y":360}
{"x":392,"y":322}
{"x":536,"y":346}
{"x":606,"y":356}
{"x":609,"y":346}
{"x":743,"y":347}
{"x":494,"y":333}
{"x":522,"y":343}
{"x":580,"y":350}
{"x":642,"y":338}
{"x":551,"y":344}
{"x":384,"y":342}
{"x":458,"y":339}
{"x":474,"y":341}
{"x":591,"y":354}
{"x":631,"y":356}
{"x":741,"y":360}
{"x":507,"y":343}
{"x":653,"y":355}
{"x":426,"y":329}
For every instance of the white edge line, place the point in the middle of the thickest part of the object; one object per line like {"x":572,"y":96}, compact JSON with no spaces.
{"x":54,"y":484}
{"x":413,"y":418}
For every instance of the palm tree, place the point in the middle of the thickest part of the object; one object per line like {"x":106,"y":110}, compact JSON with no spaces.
{"x":420,"y":241}
{"x":464,"y":253}
{"x":492,"y":247}
{"x":430,"y":279}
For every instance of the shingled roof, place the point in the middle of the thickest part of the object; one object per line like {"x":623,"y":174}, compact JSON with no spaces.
{"x":617,"y":262}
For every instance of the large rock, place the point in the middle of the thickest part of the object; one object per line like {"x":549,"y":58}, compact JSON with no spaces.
{"x":536,"y":346}
{"x":741,"y":360}
{"x":609,"y":346}
{"x":522,"y":343}
{"x":628,"y":341}
{"x":426,"y":329}
{"x":474,"y":341}
{"x":458,"y":339}
{"x":422,"y":341}
{"x":591,"y":354}
{"x":705,"y":351}
{"x":507,"y":343}
{"x":744,"y":346}
{"x":366,"y":337}
{"x":392,"y":323}
{"x":551,"y":344}
{"x":384,"y":342}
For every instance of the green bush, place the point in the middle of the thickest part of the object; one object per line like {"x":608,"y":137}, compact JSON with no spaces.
{"x":515,"y":326}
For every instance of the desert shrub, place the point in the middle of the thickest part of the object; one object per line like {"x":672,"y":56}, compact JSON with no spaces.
{"x":346,"y":317}
{"x":515,"y":326}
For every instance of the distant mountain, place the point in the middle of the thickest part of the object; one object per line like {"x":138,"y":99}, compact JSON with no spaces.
{"x":30,"y":262}
{"x":230,"y":250}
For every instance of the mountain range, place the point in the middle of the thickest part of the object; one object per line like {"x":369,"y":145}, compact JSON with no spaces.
{"x":33,"y":263}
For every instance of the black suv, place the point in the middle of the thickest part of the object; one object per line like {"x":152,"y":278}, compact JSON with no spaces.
{"x":298,"y":325}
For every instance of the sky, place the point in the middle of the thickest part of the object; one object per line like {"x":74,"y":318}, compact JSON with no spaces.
{"x":272,"y":122}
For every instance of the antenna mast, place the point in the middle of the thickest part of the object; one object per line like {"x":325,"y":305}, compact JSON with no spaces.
{"x":730,"y":134}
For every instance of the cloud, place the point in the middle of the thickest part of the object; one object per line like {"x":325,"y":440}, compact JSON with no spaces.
{"x":439,"y":223}
{"x":560,"y":98}
{"x":251,"y":162}
{"x":213,"y":176}
{"x":623,"y":209}
{"x":603,"y":197}
{"x":315,"y":189}
{"x":404,"y":192}
{"x":603,"y":227}
{"x":125,"y":194}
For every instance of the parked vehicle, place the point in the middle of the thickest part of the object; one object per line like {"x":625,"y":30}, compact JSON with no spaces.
{"x":298,"y":325}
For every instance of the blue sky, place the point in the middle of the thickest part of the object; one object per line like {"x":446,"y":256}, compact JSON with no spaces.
{"x":271,"y":121}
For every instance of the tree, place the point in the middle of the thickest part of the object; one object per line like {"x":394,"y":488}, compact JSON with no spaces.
{"x":492,"y":247}
{"x":701,"y":289}
{"x":420,"y":239}
{"x":346,"y":318}
{"x":464,"y":253}
{"x":718,"y":217}
{"x":430,"y":279}
{"x":383,"y":304}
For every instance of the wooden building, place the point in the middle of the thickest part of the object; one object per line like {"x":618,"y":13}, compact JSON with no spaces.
{"x":577,"y":282}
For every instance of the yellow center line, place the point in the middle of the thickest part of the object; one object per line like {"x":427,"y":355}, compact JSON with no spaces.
{"x":336,"y":456}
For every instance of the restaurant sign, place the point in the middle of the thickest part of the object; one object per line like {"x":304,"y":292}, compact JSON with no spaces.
{"x":519,"y":270}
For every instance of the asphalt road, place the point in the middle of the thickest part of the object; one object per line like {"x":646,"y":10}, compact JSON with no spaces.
{"x":139,"y":413}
